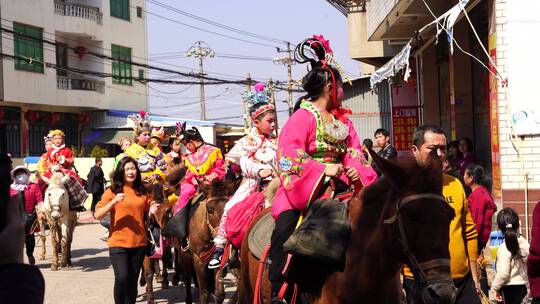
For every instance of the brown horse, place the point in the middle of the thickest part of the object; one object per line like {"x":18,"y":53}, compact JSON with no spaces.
{"x":400,"y":219}
{"x":160,"y":192}
{"x":203,"y":227}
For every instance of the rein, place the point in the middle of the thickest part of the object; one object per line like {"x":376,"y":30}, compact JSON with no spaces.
{"x":419,"y":269}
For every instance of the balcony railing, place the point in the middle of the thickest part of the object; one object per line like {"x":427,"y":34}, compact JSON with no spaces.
{"x":70,"y":83}
{"x":77,"y":10}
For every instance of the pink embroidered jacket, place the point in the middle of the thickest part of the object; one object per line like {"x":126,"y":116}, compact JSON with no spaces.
{"x":304,"y":151}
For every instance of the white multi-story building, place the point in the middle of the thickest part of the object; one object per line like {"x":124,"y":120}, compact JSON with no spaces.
{"x":62,"y":59}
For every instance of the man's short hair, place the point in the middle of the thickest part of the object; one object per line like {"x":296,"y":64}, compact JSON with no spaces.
{"x":98,"y":159}
{"x":418,"y":136}
{"x":382,"y":131}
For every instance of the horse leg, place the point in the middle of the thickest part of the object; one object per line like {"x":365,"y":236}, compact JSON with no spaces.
{"x":186,"y":265}
{"x":63,"y":243}
{"x":164,"y":274}
{"x":157,"y":271}
{"x":54,"y":246}
{"x":69,"y":237}
{"x":177,"y":274}
{"x":148,"y":273}
{"x":219,"y":286}
{"x":202,"y":279}
{"x":43,"y":239}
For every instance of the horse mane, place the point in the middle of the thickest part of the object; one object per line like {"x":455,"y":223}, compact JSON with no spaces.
{"x":56,"y":180}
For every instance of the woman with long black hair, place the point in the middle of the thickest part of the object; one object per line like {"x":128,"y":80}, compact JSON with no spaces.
{"x":128,"y":203}
{"x":480,"y":202}
{"x":318,"y":143}
{"x":510,"y":282}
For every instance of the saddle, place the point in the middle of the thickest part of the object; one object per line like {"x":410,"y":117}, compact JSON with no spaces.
{"x":177,"y":226}
{"x":260,"y":234}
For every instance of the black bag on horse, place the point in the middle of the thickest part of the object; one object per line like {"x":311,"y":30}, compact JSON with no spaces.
{"x":324,"y":233}
{"x":177,"y":226}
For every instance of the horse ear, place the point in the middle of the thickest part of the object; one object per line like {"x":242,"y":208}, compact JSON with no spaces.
{"x":389,"y":168}
{"x":65,"y":178}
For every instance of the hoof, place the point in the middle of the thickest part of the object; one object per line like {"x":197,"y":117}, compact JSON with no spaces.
{"x":175,"y":280}
{"x":42,"y":258}
{"x":159,"y":279}
{"x":164,"y":285}
{"x":54,"y":267}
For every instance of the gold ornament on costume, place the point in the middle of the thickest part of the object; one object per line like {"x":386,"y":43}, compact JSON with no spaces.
{"x":142,"y":122}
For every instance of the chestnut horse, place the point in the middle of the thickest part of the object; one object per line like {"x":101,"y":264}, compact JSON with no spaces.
{"x":160,"y":193}
{"x":203,"y":227}
{"x":400,"y":219}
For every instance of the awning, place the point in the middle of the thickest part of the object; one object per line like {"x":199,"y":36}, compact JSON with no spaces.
{"x":401,"y":61}
{"x":107,"y":136}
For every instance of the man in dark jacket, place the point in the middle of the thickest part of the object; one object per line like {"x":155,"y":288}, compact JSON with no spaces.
{"x":95,"y":183}
{"x":382,"y":138}
{"x":387,"y":151}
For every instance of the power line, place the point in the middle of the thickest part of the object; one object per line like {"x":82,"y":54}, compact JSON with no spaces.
{"x":240,"y":116}
{"x":207,"y":31}
{"x":216,"y":24}
{"x":143,"y":65}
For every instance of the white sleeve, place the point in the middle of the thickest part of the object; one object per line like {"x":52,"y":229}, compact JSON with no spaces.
{"x":502,"y":276}
{"x":251,"y":168}
{"x":237,"y":151}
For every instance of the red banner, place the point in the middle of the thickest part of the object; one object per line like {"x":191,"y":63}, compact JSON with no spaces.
{"x":494,"y":117}
{"x":404,"y":122}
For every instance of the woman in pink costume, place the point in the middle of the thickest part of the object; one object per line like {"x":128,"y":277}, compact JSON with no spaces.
{"x":318,"y":143}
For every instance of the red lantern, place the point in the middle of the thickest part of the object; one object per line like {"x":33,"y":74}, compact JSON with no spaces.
{"x":1,"y":115}
{"x":31,"y":116}
{"x":84,"y":119}
{"x":53,"y":119}
{"x":80,"y":51}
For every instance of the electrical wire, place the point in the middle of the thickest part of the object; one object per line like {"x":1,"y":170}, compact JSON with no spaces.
{"x":207,"y":31}
{"x":216,"y":24}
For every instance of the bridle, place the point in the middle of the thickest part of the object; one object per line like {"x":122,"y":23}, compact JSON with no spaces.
{"x":213,"y":230}
{"x":418,"y":269}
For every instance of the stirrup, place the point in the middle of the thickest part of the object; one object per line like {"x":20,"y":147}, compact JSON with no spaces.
{"x":184,"y":249}
{"x":277,"y":300}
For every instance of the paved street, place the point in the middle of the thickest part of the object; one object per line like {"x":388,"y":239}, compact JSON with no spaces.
{"x":91,"y":279}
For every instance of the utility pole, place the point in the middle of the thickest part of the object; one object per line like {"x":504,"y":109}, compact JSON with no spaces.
{"x":247,"y":119}
{"x":200,"y":50}
{"x":273,"y":103}
{"x":288,"y":61}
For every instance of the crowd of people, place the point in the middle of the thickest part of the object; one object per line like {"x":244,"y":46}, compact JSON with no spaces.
{"x":318,"y":145}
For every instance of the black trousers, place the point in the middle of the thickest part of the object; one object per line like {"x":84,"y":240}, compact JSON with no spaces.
{"x":285,"y":225}
{"x":536,"y":301}
{"x":126,"y":263}
{"x":30,"y":244}
{"x":466,"y":290}
{"x":96,"y":197}
{"x":514,"y":294}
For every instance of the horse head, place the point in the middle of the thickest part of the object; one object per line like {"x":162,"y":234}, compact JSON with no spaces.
{"x":217,"y":195}
{"x":417,"y":218}
{"x":56,"y":199}
{"x":159,"y":194}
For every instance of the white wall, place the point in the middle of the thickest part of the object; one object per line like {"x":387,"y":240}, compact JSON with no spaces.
{"x":41,"y":88}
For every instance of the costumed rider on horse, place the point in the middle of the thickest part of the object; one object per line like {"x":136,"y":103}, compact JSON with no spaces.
{"x":255,"y":153}
{"x":59,"y":158}
{"x":150,"y":159}
{"x":204,"y":164}
{"x":317,"y":145}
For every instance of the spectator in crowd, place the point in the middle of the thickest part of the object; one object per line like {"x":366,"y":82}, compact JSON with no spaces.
{"x":510,"y":283}
{"x":30,"y":198}
{"x":382,"y":138}
{"x":453,"y":152}
{"x":467,"y":157}
{"x":19,"y":283}
{"x":480,"y":202}
{"x":463,"y":245}
{"x":533,"y":260}
{"x":95,"y":183}
{"x":128,"y":204}
{"x":367,"y":144}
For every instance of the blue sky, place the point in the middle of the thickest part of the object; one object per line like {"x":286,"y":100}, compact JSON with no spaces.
{"x":285,"y":20}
